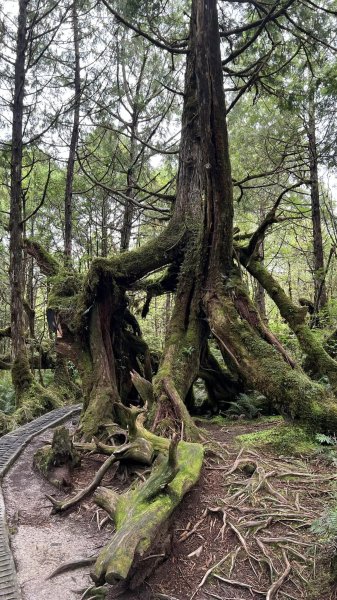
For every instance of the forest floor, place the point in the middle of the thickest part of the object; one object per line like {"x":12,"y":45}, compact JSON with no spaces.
{"x":263,"y":485}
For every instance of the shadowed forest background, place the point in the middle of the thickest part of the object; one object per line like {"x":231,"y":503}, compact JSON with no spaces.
{"x":168,"y":232}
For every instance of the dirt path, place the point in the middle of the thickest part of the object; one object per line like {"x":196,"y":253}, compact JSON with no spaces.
{"x":41,"y":541}
{"x":251,"y":511}
{"x":11,"y":445}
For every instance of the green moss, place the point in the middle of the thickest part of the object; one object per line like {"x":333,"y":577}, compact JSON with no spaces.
{"x":35,"y":401}
{"x":64,"y":297}
{"x":141,"y":512}
{"x":98,"y":412}
{"x":284,"y":439}
{"x":43,"y":460}
{"x":43,"y":256}
{"x":21,"y":376}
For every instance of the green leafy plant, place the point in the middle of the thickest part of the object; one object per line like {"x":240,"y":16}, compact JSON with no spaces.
{"x":245,"y":405}
{"x":7,"y":396}
{"x":321,"y":438}
{"x":326,"y":526}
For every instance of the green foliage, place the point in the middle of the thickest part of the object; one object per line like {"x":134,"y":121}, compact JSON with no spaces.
{"x":326,"y":526}
{"x":247,"y":406}
{"x":321,"y":438}
{"x":7,"y":394}
{"x":327,"y":449}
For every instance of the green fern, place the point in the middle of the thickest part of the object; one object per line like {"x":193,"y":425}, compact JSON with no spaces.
{"x":326,"y":526}
{"x":245,"y":405}
{"x":321,"y":438}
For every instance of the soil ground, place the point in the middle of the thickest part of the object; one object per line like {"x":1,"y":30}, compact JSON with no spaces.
{"x":251,"y":510}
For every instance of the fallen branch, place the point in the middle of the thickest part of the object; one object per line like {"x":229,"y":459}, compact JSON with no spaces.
{"x":141,"y":516}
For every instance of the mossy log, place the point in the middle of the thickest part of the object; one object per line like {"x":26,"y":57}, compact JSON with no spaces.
{"x":141,"y":514}
{"x":291,"y":392}
{"x":318,"y":361}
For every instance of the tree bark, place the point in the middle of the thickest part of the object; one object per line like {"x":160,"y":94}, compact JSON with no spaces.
{"x":21,"y":374}
{"x":260,"y":295}
{"x":320,"y":295}
{"x":68,"y":204}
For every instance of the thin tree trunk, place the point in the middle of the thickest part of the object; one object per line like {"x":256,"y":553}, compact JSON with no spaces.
{"x":104,"y":244}
{"x":320,"y":298}
{"x":68,"y":204}
{"x":21,"y":372}
{"x":260,"y":295}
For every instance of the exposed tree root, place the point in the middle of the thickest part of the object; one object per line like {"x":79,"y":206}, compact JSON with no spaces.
{"x":74,"y":564}
{"x":294,"y":395}
{"x":271,"y":528}
{"x":318,"y":361}
{"x":140,"y":451}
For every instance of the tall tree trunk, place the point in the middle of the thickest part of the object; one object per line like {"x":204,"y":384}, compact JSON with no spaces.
{"x":104,"y":243}
{"x":21,"y":372}
{"x":68,"y":204}
{"x":260,"y":295}
{"x":320,"y":298}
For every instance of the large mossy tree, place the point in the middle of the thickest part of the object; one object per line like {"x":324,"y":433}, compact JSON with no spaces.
{"x":196,"y":252}
{"x":198,"y":260}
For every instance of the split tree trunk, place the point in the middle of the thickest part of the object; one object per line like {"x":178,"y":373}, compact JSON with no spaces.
{"x":209,"y":298}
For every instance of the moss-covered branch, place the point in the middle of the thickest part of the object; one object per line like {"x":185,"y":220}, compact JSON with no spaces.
{"x":38,"y":361}
{"x":5,"y":332}
{"x":317,"y":359}
{"x":291,"y":391}
{"x":47,"y":263}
